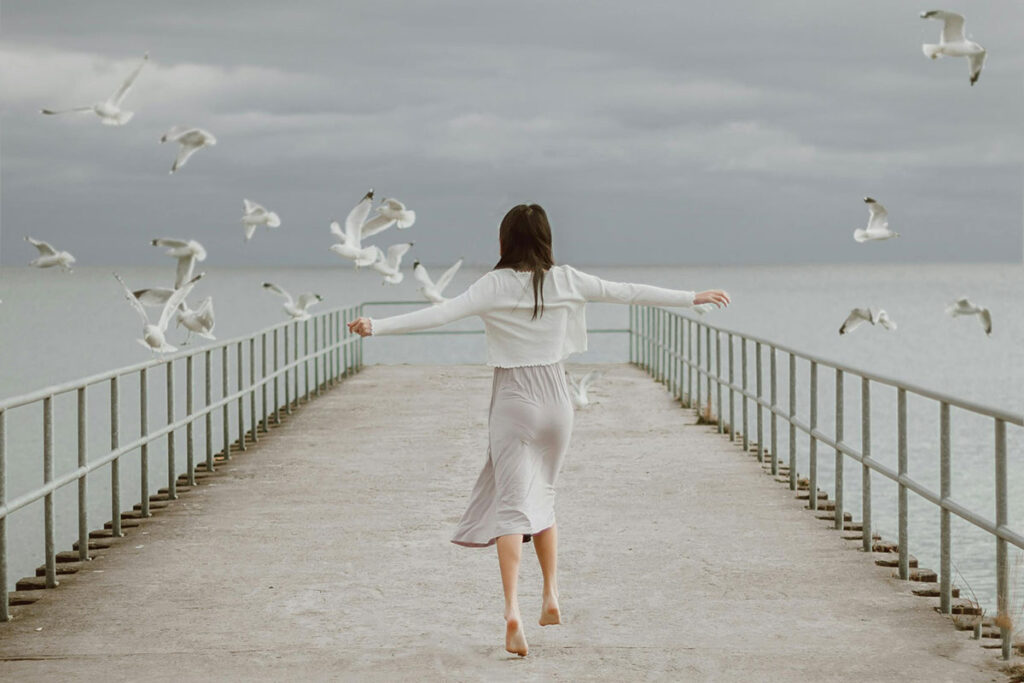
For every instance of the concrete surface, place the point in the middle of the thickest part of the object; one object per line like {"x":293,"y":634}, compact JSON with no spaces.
{"x":323,"y":554}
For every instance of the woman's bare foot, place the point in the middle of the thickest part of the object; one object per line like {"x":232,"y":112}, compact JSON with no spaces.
{"x":549,"y":614}
{"x":515,"y":638}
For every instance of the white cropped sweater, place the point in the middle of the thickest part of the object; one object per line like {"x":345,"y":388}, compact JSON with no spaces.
{"x":503,"y":299}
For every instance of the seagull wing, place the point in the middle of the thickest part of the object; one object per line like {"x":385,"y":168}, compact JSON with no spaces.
{"x":857,"y":317}
{"x":277,"y":290}
{"x":306,"y":300}
{"x":45,"y":248}
{"x":51,"y":112}
{"x":252,"y":207}
{"x":356,"y":217}
{"x":589,"y":378}
{"x":184,"y":152}
{"x":953,"y":26}
{"x":419,"y":272}
{"x":184,"y":271}
{"x":375,"y":225}
{"x":976,"y":62}
{"x":172,"y":304}
{"x":133,"y":301}
{"x":337,"y":231}
{"x":878,"y":217}
{"x":119,"y":96}
{"x":443,"y":281}
{"x":154,"y":296}
{"x":986,"y":320}
{"x":885,"y":321}
{"x":169,"y":243}
{"x":395,"y":253}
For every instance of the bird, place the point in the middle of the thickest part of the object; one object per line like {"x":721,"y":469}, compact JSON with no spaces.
{"x":953,"y":43}
{"x":198,"y":320}
{"x":350,"y":240}
{"x":191,"y":140}
{"x":187,"y":252}
{"x":296,"y":309}
{"x":154,"y":336}
{"x":389,"y":265}
{"x":392,"y":208}
{"x":858,"y":316}
{"x":48,"y":256}
{"x":578,"y":388}
{"x":964,"y":306}
{"x":109,"y":110}
{"x":878,"y":224}
{"x":433,"y":290}
{"x":256,"y":215}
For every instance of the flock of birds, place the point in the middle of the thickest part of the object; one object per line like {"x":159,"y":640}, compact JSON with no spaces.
{"x":359,"y":225}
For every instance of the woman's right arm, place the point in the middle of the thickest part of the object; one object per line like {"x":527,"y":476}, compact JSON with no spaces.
{"x":594,"y":288}
{"x":473,"y":301}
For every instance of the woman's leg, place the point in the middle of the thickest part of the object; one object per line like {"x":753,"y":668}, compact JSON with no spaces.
{"x":510,"y":551}
{"x":546,"y":545}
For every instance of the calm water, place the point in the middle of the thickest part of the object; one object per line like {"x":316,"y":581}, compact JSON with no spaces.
{"x":56,"y":327}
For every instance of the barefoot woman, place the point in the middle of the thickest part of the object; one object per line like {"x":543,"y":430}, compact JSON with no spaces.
{"x":533,"y":314}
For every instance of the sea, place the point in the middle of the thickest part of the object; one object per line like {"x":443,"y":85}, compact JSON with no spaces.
{"x":56,"y":327}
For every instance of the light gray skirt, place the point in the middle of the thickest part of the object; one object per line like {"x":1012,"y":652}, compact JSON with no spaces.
{"x":529,"y":423}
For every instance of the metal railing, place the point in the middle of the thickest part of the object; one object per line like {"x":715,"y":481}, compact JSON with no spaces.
{"x":677,"y":350}
{"x":333,"y":355}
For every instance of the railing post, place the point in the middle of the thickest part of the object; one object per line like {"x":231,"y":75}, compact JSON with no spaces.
{"x":743,"y":387}
{"x":689,"y":364}
{"x":865,"y":471}
{"x":240,"y":383}
{"x":263,"y":387}
{"x":83,"y":492}
{"x":732,"y":394}
{"x":115,"y":475}
{"x":757,"y":404}
{"x":305,"y":354}
{"x":144,"y":449}
{"x":277,"y":361}
{"x":700,"y":403}
{"x":1002,"y":559}
{"x":813,"y":488}
{"x":172,"y":475}
{"x":347,"y":352}
{"x":792,"y":425}
{"x":287,"y":384}
{"x":253,"y":423}
{"x":840,"y":522}
{"x":209,"y":414}
{"x":774,"y":389}
{"x":945,"y":490}
{"x":901,"y":459}
{"x":51,"y":554}
{"x":295,"y":361}
{"x":718,"y":382}
{"x":225,"y":413}
{"x":680,"y":359}
{"x":190,"y":434}
{"x":707,"y":357}
{"x":5,"y":613}
{"x":317,"y":322}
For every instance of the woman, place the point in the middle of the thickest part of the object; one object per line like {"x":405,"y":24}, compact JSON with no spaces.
{"x":531,"y":414}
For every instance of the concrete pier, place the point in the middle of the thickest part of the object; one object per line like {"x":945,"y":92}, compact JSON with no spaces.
{"x":322,"y":553}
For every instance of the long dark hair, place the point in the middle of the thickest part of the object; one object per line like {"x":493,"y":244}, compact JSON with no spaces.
{"x":525,"y":237}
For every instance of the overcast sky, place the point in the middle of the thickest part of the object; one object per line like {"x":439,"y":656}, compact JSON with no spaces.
{"x":652,"y":132}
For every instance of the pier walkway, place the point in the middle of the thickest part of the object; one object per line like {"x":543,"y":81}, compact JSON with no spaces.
{"x":322,"y":553}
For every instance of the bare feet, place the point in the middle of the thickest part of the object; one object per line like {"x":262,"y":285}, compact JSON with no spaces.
{"x":549,"y":614}
{"x":515,"y":638}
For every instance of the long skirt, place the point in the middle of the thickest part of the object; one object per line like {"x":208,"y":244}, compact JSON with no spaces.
{"x":529,"y":425}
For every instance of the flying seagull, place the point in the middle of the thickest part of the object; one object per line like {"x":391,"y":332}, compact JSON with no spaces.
{"x":296,"y":309}
{"x":433,"y":290}
{"x":187,"y":252}
{"x":878,"y":224}
{"x":389,"y":266}
{"x":350,"y":240}
{"x":858,"y":316}
{"x":578,"y":387}
{"x":953,"y":43}
{"x":48,"y":256}
{"x":109,"y":110}
{"x":154,"y":336}
{"x":964,"y":306}
{"x":256,"y":215}
{"x":199,"y":320}
{"x":190,"y":140}
{"x":394,"y":209}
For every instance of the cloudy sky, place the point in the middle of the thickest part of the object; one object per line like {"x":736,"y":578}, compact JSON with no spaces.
{"x":652,"y":132}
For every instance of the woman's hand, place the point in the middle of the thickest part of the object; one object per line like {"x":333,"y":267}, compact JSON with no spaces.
{"x":712,"y":296}
{"x":360,"y":326}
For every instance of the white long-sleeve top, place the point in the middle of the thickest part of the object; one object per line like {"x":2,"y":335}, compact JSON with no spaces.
{"x":503,"y":298}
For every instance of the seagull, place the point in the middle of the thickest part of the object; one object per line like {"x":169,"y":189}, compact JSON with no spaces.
{"x":153,"y":336}
{"x":110,"y":111}
{"x":953,"y":43}
{"x":878,"y":224}
{"x":858,"y":316}
{"x":964,"y":306}
{"x":190,"y":139}
{"x":187,"y":252}
{"x":199,"y":320}
{"x":431,"y":290}
{"x":297,"y":310}
{"x":256,"y":215}
{"x":350,"y":244}
{"x":394,"y":209}
{"x":48,"y":256}
{"x":389,"y":265}
{"x":578,"y":387}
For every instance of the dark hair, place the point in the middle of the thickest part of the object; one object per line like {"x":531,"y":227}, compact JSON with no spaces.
{"x":525,"y":237}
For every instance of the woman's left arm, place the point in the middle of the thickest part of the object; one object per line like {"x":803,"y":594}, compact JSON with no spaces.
{"x":473,"y":301}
